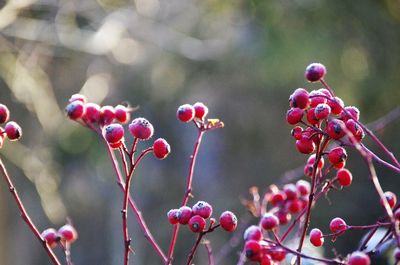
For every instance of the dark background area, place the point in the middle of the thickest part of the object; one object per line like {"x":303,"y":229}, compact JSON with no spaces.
{"x":241,"y":58}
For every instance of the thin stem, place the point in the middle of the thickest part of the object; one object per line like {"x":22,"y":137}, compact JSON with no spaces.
{"x":25,"y":215}
{"x":196,"y":245}
{"x":210,"y":255}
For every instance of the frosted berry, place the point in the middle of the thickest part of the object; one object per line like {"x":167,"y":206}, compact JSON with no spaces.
{"x":184,"y":213}
{"x":317,"y":97}
{"x":68,"y":233}
{"x":253,"y":232}
{"x":269,"y":221}
{"x":322,"y":111}
{"x":337,"y":225}
{"x":337,"y":155}
{"x":350,"y":112}
{"x":290,"y":190}
{"x":161,"y":148}
{"x":336,"y":105}
{"x":185,"y":113}
{"x":308,"y":170}
{"x":305,"y":145}
{"x":197,"y":223}
{"x":13,"y":131}
{"x":141,"y":128}
{"x":311,"y":118}
{"x":359,"y":258}
{"x":173,"y":216}
{"x":92,"y":113}
{"x":228,"y":221}
{"x":283,"y":216}
{"x":311,"y":161}
{"x":122,"y":114}
{"x":355,"y":129}
{"x":113,"y":132}
{"x":252,"y":249}
{"x":299,"y":99}
{"x":75,"y":110}
{"x":391,"y":199}
{"x":335,"y":129}
{"x":107,"y":114}
{"x":294,"y":115}
{"x":294,"y":206}
{"x":316,"y":237}
{"x":297,"y":132}
{"x":51,"y":236}
{"x":77,"y":97}
{"x":200,"y":110}
{"x":344,"y":176}
{"x":277,"y":197}
{"x":303,"y":187}
{"x":202,"y":208}
{"x":315,"y":72}
{"x":4,"y":113}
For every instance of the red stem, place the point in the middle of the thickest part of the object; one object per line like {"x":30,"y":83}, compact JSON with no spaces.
{"x":25,"y":215}
{"x":196,"y":245}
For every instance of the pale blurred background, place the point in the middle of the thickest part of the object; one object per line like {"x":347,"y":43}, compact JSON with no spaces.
{"x":241,"y":58}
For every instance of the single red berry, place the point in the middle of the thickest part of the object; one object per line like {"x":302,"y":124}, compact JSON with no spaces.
{"x":185,"y":113}
{"x":173,"y":216}
{"x":317,"y":97}
{"x":299,"y":99}
{"x":113,"y":132}
{"x":311,"y":161}
{"x":337,"y":225}
{"x":337,"y":155}
{"x":311,"y":118}
{"x":297,"y":132}
{"x":253,"y":232}
{"x":185,"y":213}
{"x":75,"y":110}
{"x":315,"y":72}
{"x":294,"y":115}
{"x":77,"y":97}
{"x":13,"y":131}
{"x":336,"y":105}
{"x":51,"y":236}
{"x":322,"y":111}
{"x":269,"y":221}
{"x":303,"y":187}
{"x":122,"y":114}
{"x":161,"y":148}
{"x":228,"y":221}
{"x":107,"y":114}
{"x":283,"y":216}
{"x":355,"y":129}
{"x":252,"y":248}
{"x":141,"y":129}
{"x":350,"y":112}
{"x":68,"y":233}
{"x":197,"y":223}
{"x":290,"y":190}
{"x":344,"y":176}
{"x":277,"y":197}
{"x":326,"y":92}
{"x":202,"y":208}
{"x":391,"y":199}
{"x":266,"y":259}
{"x":200,"y":110}
{"x":4,"y":113}
{"x":335,"y":129}
{"x":359,"y":258}
{"x":92,"y":113}
{"x":308,"y":170}
{"x":305,"y":145}
{"x":294,"y":206}
{"x":277,"y":254}
{"x":316,"y":237}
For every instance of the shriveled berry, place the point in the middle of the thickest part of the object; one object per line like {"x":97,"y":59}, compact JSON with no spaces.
{"x":316,"y":237}
{"x":185,"y":113}
{"x":197,"y":223}
{"x":122,"y":114}
{"x":269,"y":221}
{"x":253,"y":232}
{"x":75,"y":110}
{"x":13,"y":131}
{"x":350,"y":112}
{"x":92,"y":113}
{"x":161,"y":148}
{"x":303,"y":187}
{"x":228,"y":221}
{"x":107,"y":114}
{"x":391,"y":199}
{"x":322,"y":111}
{"x":305,"y":145}
{"x":202,"y":208}
{"x":141,"y":129}
{"x":336,"y":105}
{"x":297,"y":132}
{"x":337,"y":225}
{"x":51,"y":236}
{"x":294,"y":115}
{"x":252,"y":249}
{"x":4,"y":113}
{"x":77,"y":97}
{"x":173,"y":216}
{"x":337,"y":155}
{"x":317,"y":97}
{"x":113,"y":132}
{"x":359,"y":258}
{"x":335,"y":129}
{"x":299,"y":99}
{"x":200,"y":110}
{"x":344,"y":176}
{"x":68,"y":233}
{"x":315,"y":72}
{"x":185,"y":213}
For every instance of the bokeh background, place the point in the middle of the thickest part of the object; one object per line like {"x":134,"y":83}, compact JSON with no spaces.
{"x":241,"y":58}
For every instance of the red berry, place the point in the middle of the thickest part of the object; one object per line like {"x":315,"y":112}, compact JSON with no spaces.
{"x":303,"y":187}
{"x":161,"y":148}
{"x":322,"y":111}
{"x":68,"y":233}
{"x":185,"y":113}
{"x":141,"y":129}
{"x":311,"y":118}
{"x":355,"y":129}
{"x":294,"y":115}
{"x":107,"y":114}
{"x":4,"y":113}
{"x":350,"y":112}
{"x":391,"y":199}
{"x":202,"y":208}
{"x":299,"y":99}
{"x":77,"y":97}
{"x":252,"y":248}
{"x":315,"y":72}
{"x":122,"y":114}
{"x":200,"y":110}
{"x":297,"y":132}
{"x":75,"y":110}
{"x":359,"y":258}
{"x":308,"y":170}
{"x":269,"y":221}
{"x":335,"y":129}
{"x":317,"y":97}
{"x":51,"y":237}
{"x":305,"y":145}
{"x":13,"y":131}
{"x":337,"y":225}
{"x":277,"y":253}
{"x":291,"y":191}
{"x":277,"y":197}
{"x":184,"y":213}
{"x":197,"y":223}
{"x":253,"y":232}
{"x":113,"y":133}
{"x":266,"y":259}
{"x":294,"y":206}
{"x":311,"y":161}
{"x":337,"y":155}
{"x":316,"y":237}
{"x":345,"y":177}
{"x":92,"y":113}
{"x":336,"y":105}
{"x":173,"y":216}
{"x":283,"y":216}
{"x":228,"y":221}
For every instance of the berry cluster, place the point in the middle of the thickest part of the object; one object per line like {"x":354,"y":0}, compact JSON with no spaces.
{"x":12,"y":130}
{"x":66,"y":234}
